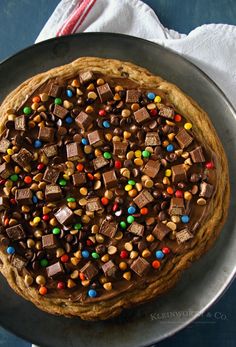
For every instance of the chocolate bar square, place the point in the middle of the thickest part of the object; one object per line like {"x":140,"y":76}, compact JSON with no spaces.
{"x":73,"y":151}
{"x":55,"y":90}
{"x":86,"y":77}
{"x":183,"y":138}
{"x":100,"y":162}
{"x":23,"y":157}
{"x":140,"y":266}
{"x":20,"y":123}
{"x":4,"y":145}
{"x":93,"y":205}
{"x":176,"y":207}
{"x":46,"y":134}
{"x":120,"y":148}
{"x":109,"y":269}
{"x":167,"y":112}
{"x":132,"y":95}
{"x":160,"y":231}
{"x":83,"y":120}
{"x":109,"y":179}
{"x":95,"y":138}
{"x":60,"y":111}
{"x":54,"y":270}
{"x":152,"y":168}
{"x":108,"y":228}
{"x":64,"y":215}
{"x":89,"y":270}
{"x":51,"y":175}
{"x":136,"y":229}
{"x":24,"y":196}
{"x":152,"y":139}
{"x":4,"y":203}
{"x":197,"y":155}
{"x":183,"y":235}
{"x":53,"y":192}
{"x":16,"y":232}
{"x":178,"y":173}
{"x":141,"y":115}
{"x":5,"y":170}
{"x":49,"y":241}
{"x":79,"y":178}
{"x":143,"y":198}
{"x":206,"y":190}
{"x":18,"y":262}
{"x":50,"y":151}
{"x":104,"y":92}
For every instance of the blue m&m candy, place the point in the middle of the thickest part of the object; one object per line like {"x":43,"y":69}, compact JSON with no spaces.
{"x":131,"y":210}
{"x":151,"y":96}
{"x":69,"y":93}
{"x":185,"y":218}
{"x":92,"y":293}
{"x":69,"y":120}
{"x":85,"y":254}
{"x":159,"y":254}
{"x":106,"y":124}
{"x":170,"y":148}
{"x":38,"y":144}
{"x":10,"y":250}
{"x":84,"y":141}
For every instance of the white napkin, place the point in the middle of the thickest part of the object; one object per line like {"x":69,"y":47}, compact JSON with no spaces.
{"x":211,"y":47}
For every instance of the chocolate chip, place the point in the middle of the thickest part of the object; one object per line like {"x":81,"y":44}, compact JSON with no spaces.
{"x":104,"y":92}
{"x":95,"y":138}
{"x":108,"y":228}
{"x":143,"y":198}
{"x":152,"y":168}
{"x":64,"y":215}
{"x":83,"y":120}
{"x":49,"y":241}
{"x":183,"y":138}
{"x":160,"y":231}
{"x":178,"y":173}
{"x":109,"y":179}
{"x":74,"y":152}
{"x":60,"y":111}
{"x":54,"y":270}
{"x":141,"y":115}
{"x":140,"y":266}
{"x":136,"y":228}
{"x":53,"y":192}
{"x":16,"y":232}
{"x":89,"y":270}
{"x":197,"y":155}
{"x":20,"y":123}
{"x":24,"y":196}
{"x":46,"y":134}
{"x":132,"y":95}
{"x":176,"y":207}
{"x":183,"y":235}
{"x":109,"y":269}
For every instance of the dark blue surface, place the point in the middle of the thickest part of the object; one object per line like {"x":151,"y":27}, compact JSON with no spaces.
{"x":20,"y":23}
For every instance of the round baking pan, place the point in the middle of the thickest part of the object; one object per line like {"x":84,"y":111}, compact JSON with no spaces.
{"x":201,"y":284}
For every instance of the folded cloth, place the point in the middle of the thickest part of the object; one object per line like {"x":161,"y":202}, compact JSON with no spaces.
{"x":211,"y":47}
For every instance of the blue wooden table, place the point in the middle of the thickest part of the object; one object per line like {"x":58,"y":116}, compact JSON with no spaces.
{"x":20,"y":23}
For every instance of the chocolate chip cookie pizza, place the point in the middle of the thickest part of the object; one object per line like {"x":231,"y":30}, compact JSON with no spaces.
{"x":112,"y":182}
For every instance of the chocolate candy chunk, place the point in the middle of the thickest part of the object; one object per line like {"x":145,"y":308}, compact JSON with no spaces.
{"x":132,"y":95}
{"x":51,"y":175}
{"x":104,"y":92}
{"x":53,"y":192}
{"x":74,"y":151}
{"x":178,"y":173}
{"x":141,"y":115}
{"x":93,"y":205}
{"x":20,"y":123}
{"x":4,"y":203}
{"x":183,"y":235}
{"x":109,"y":269}
{"x":16,"y":232}
{"x":176,"y":207}
{"x":143,"y":198}
{"x":167,"y":112}
{"x":206,"y":190}
{"x":5,"y":170}
{"x":4,"y":145}
{"x":64,"y":215}
{"x":108,"y":228}
{"x":86,"y":76}
{"x":89,"y":270}
{"x":79,"y":178}
{"x":95,"y":138}
{"x":46,"y":134}
{"x":60,"y":111}
{"x":197,"y":155}
{"x":83,"y":120}
{"x":100,"y":162}
{"x":50,"y":151}
{"x":183,"y":138}
{"x":136,"y":229}
{"x":55,"y":90}
{"x":24,"y":196}
{"x":140,"y":266}
{"x":160,"y":231}
{"x":23,"y":157}
{"x":109,"y":179}
{"x":152,"y":168}
{"x":49,"y":241}
{"x":18,"y":262}
{"x":119,"y":148}
{"x":54,"y":270}
{"x":152,"y":139}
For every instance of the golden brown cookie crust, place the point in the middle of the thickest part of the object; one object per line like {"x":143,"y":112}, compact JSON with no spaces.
{"x":205,"y":235}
